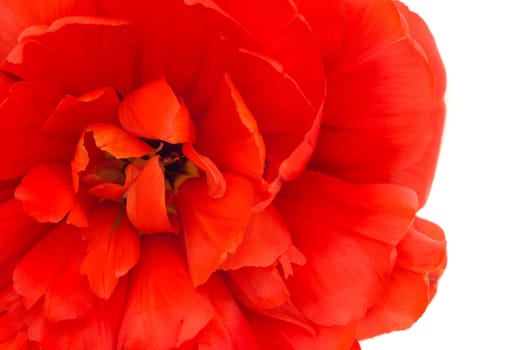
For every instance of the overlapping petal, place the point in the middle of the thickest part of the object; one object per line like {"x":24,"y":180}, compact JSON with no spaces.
{"x":163,"y":309}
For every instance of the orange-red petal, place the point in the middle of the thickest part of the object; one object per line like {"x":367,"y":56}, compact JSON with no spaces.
{"x":22,"y":144}
{"x":213,"y":227}
{"x":51,"y":269}
{"x":73,"y":114}
{"x":46,"y":192}
{"x":163,"y":308}
{"x":227,"y":133}
{"x":403,"y":301}
{"x":113,"y":248}
{"x":153,"y":111}
{"x":265,"y":240}
{"x":59,"y":53}
{"x":146,"y":201}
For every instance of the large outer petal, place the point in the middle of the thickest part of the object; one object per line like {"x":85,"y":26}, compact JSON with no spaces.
{"x":23,"y":121}
{"x":163,"y":309}
{"x":17,"y":15}
{"x":378,"y":117}
{"x":347,"y":264}
{"x":60,"y":53}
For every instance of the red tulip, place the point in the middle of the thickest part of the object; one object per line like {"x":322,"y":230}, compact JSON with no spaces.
{"x":198,"y":174}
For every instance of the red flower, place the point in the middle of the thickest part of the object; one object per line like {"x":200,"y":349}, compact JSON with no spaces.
{"x":198,"y":174}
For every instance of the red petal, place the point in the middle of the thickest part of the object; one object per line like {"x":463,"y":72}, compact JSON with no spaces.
{"x":51,"y":269}
{"x":403,"y":301}
{"x":5,"y":84}
{"x":108,"y":138}
{"x":13,"y":314}
{"x":46,"y":192}
{"x":23,"y":13}
{"x":163,"y":309}
{"x":113,"y":248}
{"x":19,"y":231}
{"x":339,"y":261}
{"x":98,"y":331}
{"x":265,"y":240}
{"x":213,"y":228}
{"x":423,"y":249}
{"x":381,"y":211}
{"x":60,"y":53}
{"x":420,"y":33}
{"x":228,"y":330}
{"x":289,"y":140}
{"x":228,"y":134}
{"x":385,"y":84}
{"x":259,"y":288}
{"x":146,"y":201}
{"x":73,"y":114}
{"x":154,"y":112}
{"x":23,"y":113}
{"x":273,"y":334}
{"x":214,"y":177}
{"x":282,"y":33}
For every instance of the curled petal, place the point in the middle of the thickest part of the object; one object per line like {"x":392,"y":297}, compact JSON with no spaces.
{"x":228,"y":133}
{"x":46,"y":192}
{"x":163,"y":308}
{"x":98,"y":138}
{"x":154,"y":112}
{"x":213,"y":227}
{"x":215,"y":179}
{"x":146,"y":201}
{"x":423,"y":249}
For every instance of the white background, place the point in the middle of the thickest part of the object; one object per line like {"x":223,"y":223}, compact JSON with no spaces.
{"x":479,"y":193}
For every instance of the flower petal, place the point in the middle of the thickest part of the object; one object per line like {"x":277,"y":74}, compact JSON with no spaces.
{"x":382,"y":212}
{"x":265,"y":240}
{"x":73,"y":114}
{"x":229,"y":329}
{"x":259,"y":288}
{"x":146,"y":201}
{"x":340,"y":262}
{"x":22,"y":121}
{"x":215,"y":179}
{"x":98,"y":331}
{"x":154,"y":112}
{"x":113,"y":248}
{"x":99,"y":138}
{"x":19,"y":230}
{"x":213,"y":228}
{"x":385,"y":84}
{"x":163,"y":308}
{"x":228,"y":134}
{"x":285,"y":336}
{"x":59,"y":53}
{"x":46,"y":192}
{"x":289,"y":125}
{"x":423,"y":249}
{"x":403,"y":301}
{"x":20,"y":14}
{"x":50,"y":269}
